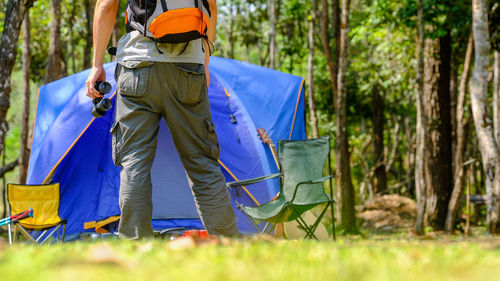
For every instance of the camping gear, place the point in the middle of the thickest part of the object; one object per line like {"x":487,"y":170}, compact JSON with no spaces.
{"x":264,"y":136}
{"x":44,"y":199}
{"x":302,"y":189}
{"x":291,"y":229}
{"x":17,"y":217}
{"x":73,"y":148}
{"x":168,"y":21}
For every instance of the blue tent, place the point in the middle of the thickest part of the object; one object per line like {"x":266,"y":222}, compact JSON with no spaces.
{"x":73,"y":148}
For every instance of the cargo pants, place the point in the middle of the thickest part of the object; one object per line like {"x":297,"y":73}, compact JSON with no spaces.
{"x":178,"y":93}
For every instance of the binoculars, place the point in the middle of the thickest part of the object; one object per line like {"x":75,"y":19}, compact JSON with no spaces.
{"x":101,"y":105}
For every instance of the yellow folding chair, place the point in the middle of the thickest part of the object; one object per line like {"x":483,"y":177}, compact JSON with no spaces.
{"x":44,"y":200}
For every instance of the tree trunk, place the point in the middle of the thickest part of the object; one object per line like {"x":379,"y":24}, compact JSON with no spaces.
{"x":343,"y":171}
{"x":478,"y":190}
{"x":53,"y":71}
{"x":437,"y":156}
{"x":87,"y":52}
{"x":310,"y":72}
{"x":26,"y":61}
{"x":496,"y":96}
{"x":420,"y":130}
{"x":271,"y":9}
{"x":456,"y":196}
{"x":380,"y":179}
{"x":64,"y":62}
{"x":331,"y":59}
{"x":71,"y":21}
{"x":336,"y":34}
{"x":14,"y":15}
{"x":453,"y":109}
{"x":409,"y":159}
{"x":495,"y":224}
{"x":482,"y":120}
{"x":231,"y":36}
{"x":392,"y":147}
{"x":116,"y":29}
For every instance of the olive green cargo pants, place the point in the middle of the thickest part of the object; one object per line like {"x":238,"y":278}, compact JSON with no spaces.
{"x":177,"y":92}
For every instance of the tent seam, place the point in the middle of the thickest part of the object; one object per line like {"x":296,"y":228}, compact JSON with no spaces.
{"x":52,"y":171}
{"x":296,"y":108}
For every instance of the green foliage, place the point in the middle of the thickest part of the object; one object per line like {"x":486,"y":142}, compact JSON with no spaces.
{"x":293,"y":27}
{"x":40,"y":30}
{"x":494,"y":24}
{"x":14,"y":115}
{"x":440,"y":16}
{"x":2,"y":15}
{"x":382,"y":56}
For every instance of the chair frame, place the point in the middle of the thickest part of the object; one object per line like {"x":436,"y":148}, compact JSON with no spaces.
{"x":42,"y":238}
{"x":15,"y":225}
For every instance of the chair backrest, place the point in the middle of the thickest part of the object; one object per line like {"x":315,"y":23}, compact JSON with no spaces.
{"x":43,"y":199}
{"x":301,"y":161}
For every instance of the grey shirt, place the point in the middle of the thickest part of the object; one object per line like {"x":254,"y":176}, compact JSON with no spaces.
{"x":133,"y":47}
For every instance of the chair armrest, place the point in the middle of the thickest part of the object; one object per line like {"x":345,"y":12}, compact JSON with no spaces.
{"x":252,"y":181}
{"x":319,"y":180}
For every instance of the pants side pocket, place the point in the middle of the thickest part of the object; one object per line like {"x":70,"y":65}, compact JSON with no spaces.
{"x":213,"y":148}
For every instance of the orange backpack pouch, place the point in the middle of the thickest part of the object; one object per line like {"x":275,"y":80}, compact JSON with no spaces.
{"x":179,"y":21}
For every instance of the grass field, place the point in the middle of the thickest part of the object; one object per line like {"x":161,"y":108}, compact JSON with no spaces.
{"x":346,"y":259}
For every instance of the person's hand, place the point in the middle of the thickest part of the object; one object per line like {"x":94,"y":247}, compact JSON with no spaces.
{"x":96,"y":74}
{"x":207,"y":75}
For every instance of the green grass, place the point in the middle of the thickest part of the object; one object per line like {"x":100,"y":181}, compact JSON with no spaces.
{"x":353,"y":259}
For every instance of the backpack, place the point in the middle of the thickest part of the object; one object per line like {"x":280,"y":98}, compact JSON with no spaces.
{"x":168,"y":21}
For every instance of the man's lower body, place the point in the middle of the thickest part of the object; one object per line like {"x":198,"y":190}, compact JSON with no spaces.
{"x":178,"y":93}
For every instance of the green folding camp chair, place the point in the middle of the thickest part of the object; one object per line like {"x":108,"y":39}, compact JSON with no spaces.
{"x":301,"y":189}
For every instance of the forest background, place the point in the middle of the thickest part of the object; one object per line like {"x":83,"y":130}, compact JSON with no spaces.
{"x":388,"y":80}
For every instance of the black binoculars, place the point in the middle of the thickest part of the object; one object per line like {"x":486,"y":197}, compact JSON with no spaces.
{"x":101,"y":105}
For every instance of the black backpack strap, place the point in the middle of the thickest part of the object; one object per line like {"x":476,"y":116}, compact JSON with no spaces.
{"x":157,"y":48}
{"x":211,"y":47}
{"x":184,"y":49}
{"x":164,"y":5}
{"x":207,"y":7}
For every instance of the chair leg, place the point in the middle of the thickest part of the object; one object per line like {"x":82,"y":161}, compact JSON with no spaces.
{"x":15,"y":234}
{"x":255,"y":225}
{"x":266,"y":226}
{"x":306,"y":228}
{"x":239,"y":207}
{"x":41,"y":236}
{"x":318,"y":221}
{"x":9,"y":228}
{"x":64,"y":232}
{"x":311,"y":229}
{"x":50,"y":233}
{"x":332,"y":206}
{"x":271,"y":227}
{"x":25,"y":233}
